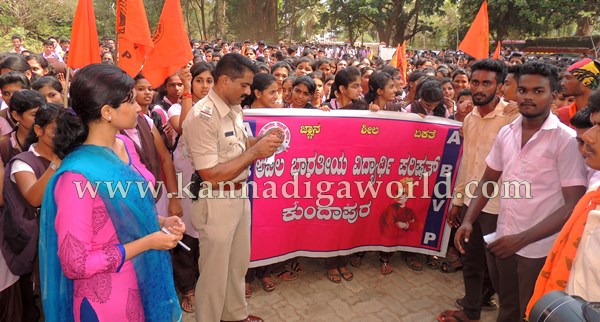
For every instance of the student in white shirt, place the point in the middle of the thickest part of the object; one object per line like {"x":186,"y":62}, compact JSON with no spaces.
{"x":543,"y":177}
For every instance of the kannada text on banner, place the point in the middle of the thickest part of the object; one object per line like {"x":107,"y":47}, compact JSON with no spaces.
{"x":348,"y":181}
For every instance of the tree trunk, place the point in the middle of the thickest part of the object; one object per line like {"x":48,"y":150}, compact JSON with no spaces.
{"x":271,"y":21}
{"x":204,"y":35}
{"x":219,"y":18}
{"x":584,"y":26}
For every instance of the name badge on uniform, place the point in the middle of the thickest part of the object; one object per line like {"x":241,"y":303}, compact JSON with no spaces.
{"x":230,"y":133}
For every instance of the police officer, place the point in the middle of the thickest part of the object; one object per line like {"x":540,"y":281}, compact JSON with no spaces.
{"x":221,"y":153}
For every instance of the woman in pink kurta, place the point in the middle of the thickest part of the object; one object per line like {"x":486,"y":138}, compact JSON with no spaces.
{"x":103,"y":249}
{"x":90,"y":253}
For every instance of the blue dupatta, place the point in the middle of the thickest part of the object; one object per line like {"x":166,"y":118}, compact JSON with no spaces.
{"x":133,"y":217}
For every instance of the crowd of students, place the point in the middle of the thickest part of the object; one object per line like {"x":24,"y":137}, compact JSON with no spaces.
{"x":511,"y":109}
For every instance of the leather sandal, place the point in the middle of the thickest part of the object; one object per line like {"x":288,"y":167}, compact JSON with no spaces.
{"x":386,"y":268}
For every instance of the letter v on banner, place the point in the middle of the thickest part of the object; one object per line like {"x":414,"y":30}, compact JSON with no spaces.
{"x":172,"y":50}
{"x":133,"y":34}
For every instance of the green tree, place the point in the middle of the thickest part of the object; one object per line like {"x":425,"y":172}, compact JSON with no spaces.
{"x":522,"y":18}
{"x":35,"y":20}
{"x":347,"y":15}
{"x":399,"y":20}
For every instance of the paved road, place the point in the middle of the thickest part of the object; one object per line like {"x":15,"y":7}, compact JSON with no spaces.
{"x":404,"y":295}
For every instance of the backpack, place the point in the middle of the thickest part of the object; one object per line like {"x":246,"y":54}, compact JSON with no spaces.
{"x":19,"y":221}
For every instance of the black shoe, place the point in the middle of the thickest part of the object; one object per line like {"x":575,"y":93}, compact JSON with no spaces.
{"x":488,"y":305}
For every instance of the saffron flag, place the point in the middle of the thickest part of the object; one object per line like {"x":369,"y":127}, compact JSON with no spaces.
{"x":133,"y":34}
{"x":477,"y":40}
{"x":172,"y":49}
{"x":84,"y":49}
{"x":497,"y":51}
{"x":394,"y":60}
{"x":402,"y":62}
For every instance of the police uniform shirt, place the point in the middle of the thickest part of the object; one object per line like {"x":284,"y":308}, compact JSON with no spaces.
{"x":214,"y":133}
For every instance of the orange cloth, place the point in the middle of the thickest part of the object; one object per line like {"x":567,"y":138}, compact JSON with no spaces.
{"x":402,"y":62}
{"x":497,"y":51}
{"x":565,"y":114}
{"x":133,"y":34}
{"x":84,"y":48}
{"x":556,"y":270}
{"x":477,"y":40}
{"x":172,"y":50}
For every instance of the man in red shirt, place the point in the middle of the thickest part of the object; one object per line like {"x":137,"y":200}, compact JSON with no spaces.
{"x":580,"y":80}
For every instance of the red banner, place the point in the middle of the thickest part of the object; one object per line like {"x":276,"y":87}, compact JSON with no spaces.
{"x":348,"y":181}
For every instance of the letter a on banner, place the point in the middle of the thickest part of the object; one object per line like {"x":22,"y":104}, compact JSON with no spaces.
{"x":133,"y":34}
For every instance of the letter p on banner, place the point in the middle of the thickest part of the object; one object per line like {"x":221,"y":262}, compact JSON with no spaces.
{"x":429,"y":237}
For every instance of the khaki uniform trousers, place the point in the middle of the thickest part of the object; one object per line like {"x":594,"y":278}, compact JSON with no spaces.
{"x":223,"y":225}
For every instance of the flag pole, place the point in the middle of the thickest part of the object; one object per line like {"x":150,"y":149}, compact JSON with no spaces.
{"x":66,"y":89}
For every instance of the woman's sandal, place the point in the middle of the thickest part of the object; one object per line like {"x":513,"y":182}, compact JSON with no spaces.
{"x":248,"y":290}
{"x":268,"y":284}
{"x":386,"y":268}
{"x":287,"y":276}
{"x":296,"y":268}
{"x":416,"y":262}
{"x":356,"y":259}
{"x":187,"y":302}
{"x":346,"y":274}
{"x":454,"y":316}
{"x":334,"y":277}
{"x":433,"y":262}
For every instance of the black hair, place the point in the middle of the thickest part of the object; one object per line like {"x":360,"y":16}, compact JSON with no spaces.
{"x":281,"y":64}
{"x":308,"y":82}
{"x":421,"y":61}
{"x":260,"y":82}
{"x":16,"y":63}
{"x":15,"y":36}
{"x":343,"y":78}
{"x":445,"y":80}
{"x":464,"y":92}
{"x":460,"y":71}
{"x":444,"y":71}
{"x":64,"y":41}
{"x":414,"y":76}
{"x":392,"y":70}
{"x":46,"y":114}
{"x":47,"y":81}
{"x":581,"y":119}
{"x":430,"y":90}
{"x":308,"y":60}
{"x":429,"y":70}
{"x":491,"y":65}
{"x":542,"y":69}
{"x":14,"y":77}
{"x":514,"y":69}
{"x":322,"y":61}
{"x":47,"y":42}
{"x":365,"y":69}
{"x":92,"y":87}
{"x":199,"y":68}
{"x":262,"y":67}
{"x":594,"y":101}
{"x":317,"y":74}
{"x":39,"y":59}
{"x":25,"y":100}
{"x":377,"y":80}
{"x":233,"y":65}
